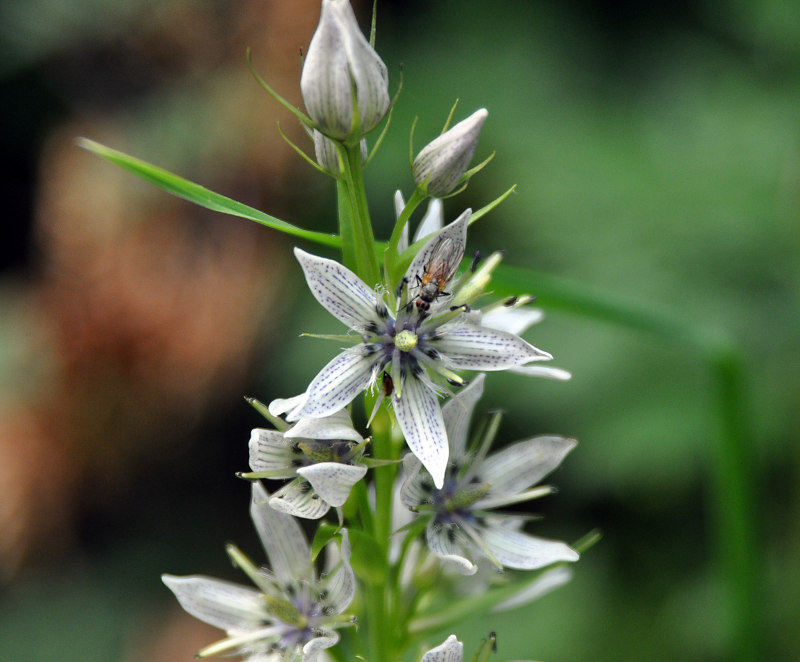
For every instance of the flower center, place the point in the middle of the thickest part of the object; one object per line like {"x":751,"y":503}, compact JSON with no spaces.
{"x":406,"y":340}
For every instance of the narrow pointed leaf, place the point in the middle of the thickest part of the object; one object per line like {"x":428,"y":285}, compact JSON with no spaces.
{"x":202,"y":196}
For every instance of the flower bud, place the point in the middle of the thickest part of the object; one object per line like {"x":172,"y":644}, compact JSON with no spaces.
{"x":441,"y":163}
{"x":340,"y":66}
{"x":328,"y":157}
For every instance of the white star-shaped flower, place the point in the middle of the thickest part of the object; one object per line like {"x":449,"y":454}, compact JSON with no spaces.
{"x":292,"y":614}
{"x":423,"y":336}
{"x":463,"y":523}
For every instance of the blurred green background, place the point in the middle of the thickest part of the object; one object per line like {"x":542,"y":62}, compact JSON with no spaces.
{"x":656,"y":149}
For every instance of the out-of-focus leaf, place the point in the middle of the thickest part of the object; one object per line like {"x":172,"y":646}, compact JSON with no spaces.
{"x":202,"y":196}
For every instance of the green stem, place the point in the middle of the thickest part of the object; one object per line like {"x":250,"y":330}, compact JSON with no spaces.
{"x":346,"y":226}
{"x":736,"y":506}
{"x":355,"y":227}
{"x":391,"y":254}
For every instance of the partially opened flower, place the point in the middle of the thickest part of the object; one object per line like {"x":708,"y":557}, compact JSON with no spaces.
{"x":441,"y":164}
{"x":414,"y":343}
{"x":464,"y":523}
{"x":321,"y":456}
{"x":292,"y":614}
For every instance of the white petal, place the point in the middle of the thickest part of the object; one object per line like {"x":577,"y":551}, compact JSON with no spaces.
{"x":269,"y":452}
{"x":312,"y":649}
{"x":548,"y":581}
{"x":523,"y":464}
{"x":223,"y":604}
{"x":512,"y":320}
{"x":298,"y":499}
{"x":280,"y":406}
{"x":333,"y":480}
{"x":457,"y":413}
{"x":457,"y":231}
{"x":432,"y":221}
{"x":335,"y":426}
{"x":281,"y":536}
{"x":399,"y":206}
{"x":523,"y":552}
{"x":451,"y":650}
{"x":542,"y":371}
{"x":411,"y":492}
{"x":420,"y":418}
{"x":449,"y":550}
{"x":472,"y":347}
{"x":342,"y":293}
{"x":337,"y":384}
{"x":341,"y":583}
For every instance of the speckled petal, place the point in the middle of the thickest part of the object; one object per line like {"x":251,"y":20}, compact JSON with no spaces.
{"x":338,"y":425}
{"x":223,"y":604}
{"x":451,"y":650}
{"x":343,"y":294}
{"x":412,"y":493}
{"x":335,"y":386}
{"x":269,"y":452}
{"x":299,"y":499}
{"x":313,"y":648}
{"x":281,"y":536}
{"x":341,"y":581}
{"x":523,"y":552}
{"x":523,"y":464}
{"x":333,"y":480}
{"x":472,"y":347}
{"x":420,"y":418}
{"x":457,"y":413}
{"x":449,"y":550}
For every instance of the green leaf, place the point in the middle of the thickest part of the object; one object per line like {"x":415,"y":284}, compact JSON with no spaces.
{"x":368,"y":558}
{"x":325,"y":533}
{"x":553,"y":293}
{"x":202,"y":196}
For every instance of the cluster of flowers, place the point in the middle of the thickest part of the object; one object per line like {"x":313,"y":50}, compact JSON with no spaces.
{"x":408,"y":341}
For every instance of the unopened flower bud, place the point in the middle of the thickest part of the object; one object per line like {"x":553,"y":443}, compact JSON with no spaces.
{"x":327,"y":155}
{"x":340,"y":66}
{"x":441,"y":163}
